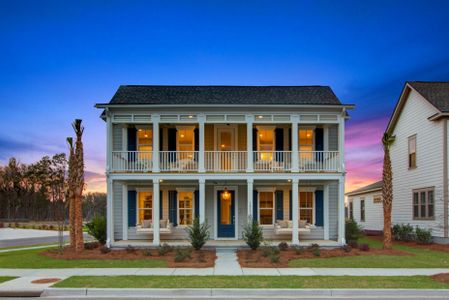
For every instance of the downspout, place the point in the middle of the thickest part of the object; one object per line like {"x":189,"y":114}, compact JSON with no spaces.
{"x":445,"y":179}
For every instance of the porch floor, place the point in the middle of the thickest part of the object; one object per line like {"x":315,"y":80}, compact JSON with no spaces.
{"x":219,"y":243}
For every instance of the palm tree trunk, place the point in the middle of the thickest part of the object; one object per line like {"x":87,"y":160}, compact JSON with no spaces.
{"x":387,"y":194}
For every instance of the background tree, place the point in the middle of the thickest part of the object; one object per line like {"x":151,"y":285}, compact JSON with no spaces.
{"x":387,"y":188}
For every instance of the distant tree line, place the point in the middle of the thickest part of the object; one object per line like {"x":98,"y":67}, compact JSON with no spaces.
{"x":38,"y":191}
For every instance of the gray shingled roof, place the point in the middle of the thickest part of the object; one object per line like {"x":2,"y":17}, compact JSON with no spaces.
{"x":176,"y":95}
{"x":437,"y":93}
{"x":374,"y":186}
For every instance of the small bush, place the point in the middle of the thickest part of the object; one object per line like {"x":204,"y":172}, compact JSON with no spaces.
{"x":314,"y":246}
{"x":316,"y":251}
{"x":266,"y":251}
{"x":90,"y":246}
{"x":182,"y":254}
{"x":347,"y":248}
{"x":403,"y":232}
{"x":164,"y":249}
{"x":130,"y":249}
{"x":97,"y":229}
{"x":364,"y":247}
{"x":147,"y":252}
{"x":105,"y":250}
{"x":252,"y":234}
{"x":198,"y":234}
{"x":352,"y":231}
{"x":275,"y":258}
{"x":51,"y":227}
{"x":353,"y":244}
{"x":298,"y":250}
{"x":283,"y":246}
{"x":423,"y":236}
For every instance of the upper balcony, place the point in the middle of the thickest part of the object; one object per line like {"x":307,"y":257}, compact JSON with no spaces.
{"x":259,"y":143}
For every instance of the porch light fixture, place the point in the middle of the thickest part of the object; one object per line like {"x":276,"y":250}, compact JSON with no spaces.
{"x":182,"y":135}
{"x":222,"y":145}
{"x":260,"y":117}
{"x":226,"y":195}
{"x":289,"y":180}
{"x":190,"y":117}
{"x":140,"y":129}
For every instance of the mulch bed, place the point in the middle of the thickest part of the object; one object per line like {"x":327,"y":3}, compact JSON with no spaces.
{"x":198,"y":259}
{"x":45,"y":280}
{"x":434,"y":247}
{"x":442,"y":277}
{"x":255,"y":259}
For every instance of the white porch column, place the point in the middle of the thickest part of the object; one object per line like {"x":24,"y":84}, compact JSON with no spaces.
{"x":295,"y":144}
{"x":155,"y":119}
{"x":125,"y":212}
{"x":201,"y":168}
{"x":108,"y":141}
{"x":109,"y":213}
{"x":156,"y":216}
{"x":202,"y":192}
{"x":249,"y":197}
{"x":341,"y":210}
{"x":249,"y":143}
{"x":341,"y":141}
{"x":295,"y":211}
{"x":326,"y":211}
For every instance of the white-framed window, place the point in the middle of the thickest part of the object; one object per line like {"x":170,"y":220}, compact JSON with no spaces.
{"x":412,"y":152}
{"x":351,"y":209}
{"x":307,"y":207}
{"x":266,"y":207}
{"x":186,"y":138}
{"x":424,"y":204}
{"x":265,"y":142}
{"x":185,"y":207}
{"x":362,"y":209}
{"x":377,"y":199}
{"x":306,"y":143}
{"x":144,"y":139}
{"x":144,"y":206}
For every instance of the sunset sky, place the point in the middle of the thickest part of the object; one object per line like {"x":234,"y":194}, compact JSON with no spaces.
{"x":59,"y":58}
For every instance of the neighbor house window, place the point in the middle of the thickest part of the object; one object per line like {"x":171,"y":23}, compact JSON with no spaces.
{"x":351,"y":209}
{"x":423,"y":204}
{"x":144,"y":206}
{"x":377,"y":199}
{"x":362,"y":209}
{"x":265,"y":142}
{"x":266,"y":208}
{"x":185,"y":208}
{"x":412,"y":152}
{"x":306,"y":206}
{"x":306,"y":144}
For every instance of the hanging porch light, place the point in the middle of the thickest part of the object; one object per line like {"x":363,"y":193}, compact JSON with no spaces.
{"x":226,"y":195}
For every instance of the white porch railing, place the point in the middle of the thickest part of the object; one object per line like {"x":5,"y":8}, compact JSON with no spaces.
{"x":132,"y":161}
{"x":178,"y":161}
{"x":272,"y":161}
{"x":319,"y":161}
{"x":225,"y":161}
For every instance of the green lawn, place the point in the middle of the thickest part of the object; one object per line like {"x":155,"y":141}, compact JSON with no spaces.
{"x":6,"y":278}
{"x":31,"y":259}
{"x":422,"y":258}
{"x":255,"y":282}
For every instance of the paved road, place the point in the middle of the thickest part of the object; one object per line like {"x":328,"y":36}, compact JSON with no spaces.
{"x":10,"y":237}
{"x":246,"y":298}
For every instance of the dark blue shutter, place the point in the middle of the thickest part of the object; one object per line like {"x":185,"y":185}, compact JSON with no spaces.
{"x":173,"y":207}
{"x":172,"y":144}
{"x":196,"y":195}
{"x":254,"y":139}
{"x":290,"y":206}
{"x":161,"y":208}
{"x":132,"y":143}
{"x":279,"y":143}
{"x":132,"y":208}
{"x":319,"y":144}
{"x":279,"y":196}
{"x":255,"y":209}
{"x":319,"y":208}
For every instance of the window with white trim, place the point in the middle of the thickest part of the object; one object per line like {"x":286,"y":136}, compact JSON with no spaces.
{"x":351,"y":209}
{"x":185,"y":208}
{"x":412,"y":152}
{"x":306,"y":145}
{"x":424,"y":204}
{"x":144,"y":206}
{"x":266,"y":208}
{"x":265,"y":142}
{"x":362,"y":209}
{"x":377,"y":199}
{"x":306,"y":203}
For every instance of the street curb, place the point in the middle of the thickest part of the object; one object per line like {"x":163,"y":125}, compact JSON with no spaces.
{"x":20,"y":293}
{"x":152,"y":293}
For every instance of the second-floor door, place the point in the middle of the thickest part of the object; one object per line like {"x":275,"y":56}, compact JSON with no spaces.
{"x":226,"y":147}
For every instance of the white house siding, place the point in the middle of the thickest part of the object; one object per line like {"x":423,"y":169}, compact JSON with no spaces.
{"x":117,"y":198}
{"x":429,"y":171}
{"x":117,"y":137}
{"x":333,"y":138}
{"x":373,"y":211}
{"x":333,"y":210}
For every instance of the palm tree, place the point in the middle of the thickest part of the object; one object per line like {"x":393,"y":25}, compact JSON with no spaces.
{"x":387,"y":188}
{"x":70,"y":191}
{"x":78,"y":184}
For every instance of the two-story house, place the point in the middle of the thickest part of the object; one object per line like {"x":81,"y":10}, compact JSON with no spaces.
{"x":419,"y":157}
{"x":227,"y":155}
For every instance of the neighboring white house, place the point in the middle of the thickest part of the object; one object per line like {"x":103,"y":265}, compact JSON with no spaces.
{"x":365,"y":207}
{"x":227,"y":155}
{"x":419,"y":157}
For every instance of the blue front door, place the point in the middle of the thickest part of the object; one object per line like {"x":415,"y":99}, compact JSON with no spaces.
{"x":225,"y":214}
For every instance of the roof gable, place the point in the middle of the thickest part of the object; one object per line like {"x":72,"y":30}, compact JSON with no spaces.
{"x":368,"y":188}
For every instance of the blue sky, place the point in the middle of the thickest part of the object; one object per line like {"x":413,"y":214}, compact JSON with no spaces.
{"x":59,"y":58}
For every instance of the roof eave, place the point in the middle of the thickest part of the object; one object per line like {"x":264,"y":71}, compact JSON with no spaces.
{"x":355,"y":193}
{"x":109,"y":105}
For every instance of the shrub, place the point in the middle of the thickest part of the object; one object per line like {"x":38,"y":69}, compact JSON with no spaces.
{"x":283,"y":246}
{"x":97,"y":229}
{"x":147,"y":252}
{"x":347,"y":248}
{"x":90,"y":246}
{"x":364,"y":247}
{"x":164,"y":249}
{"x":198,"y":234}
{"x":130,"y":249}
{"x":403,"y":232}
{"x":51,"y":227}
{"x":266,"y":251}
{"x":105,"y":249}
{"x":314,"y":246}
{"x":352,"y":231}
{"x":353,"y":244}
{"x":298,"y":250}
{"x":423,"y":236}
{"x":275,"y":258}
{"x":316,"y":251}
{"x":182,"y":254}
{"x":252,"y":234}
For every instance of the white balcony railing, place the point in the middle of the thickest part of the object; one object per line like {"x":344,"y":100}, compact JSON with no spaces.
{"x":225,"y":161}
{"x":178,"y":161}
{"x":319,"y":161}
{"x":132,"y":161}
{"x":272,"y":161}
